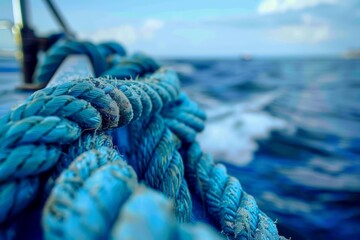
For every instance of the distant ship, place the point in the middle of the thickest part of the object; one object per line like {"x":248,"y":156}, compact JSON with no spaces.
{"x":352,"y":54}
{"x":246,"y":57}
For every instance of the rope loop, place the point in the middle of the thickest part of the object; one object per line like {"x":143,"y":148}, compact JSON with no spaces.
{"x":62,"y":49}
{"x":56,"y":145}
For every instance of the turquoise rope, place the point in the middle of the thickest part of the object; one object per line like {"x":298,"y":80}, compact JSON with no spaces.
{"x":131,"y":67}
{"x":15,"y":196}
{"x":162,"y":122}
{"x":62,"y":49}
{"x":80,"y":206}
{"x":61,"y":131}
{"x":27,"y":160}
{"x":76,"y":110}
{"x":235,"y":211}
{"x":87,"y":142}
{"x":148,"y":215}
{"x":108,"y":49}
{"x":157,"y":161}
{"x":37,"y":129}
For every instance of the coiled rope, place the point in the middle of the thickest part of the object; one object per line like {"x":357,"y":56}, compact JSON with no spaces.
{"x":59,"y":123}
{"x":81,"y":206}
{"x":57,"y":54}
{"x":235,"y":211}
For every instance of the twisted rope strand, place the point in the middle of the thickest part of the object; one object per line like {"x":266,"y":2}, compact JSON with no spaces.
{"x":57,"y":54}
{"x":157,"y":223}
{"x":162,"y":121}
{"x":76,"y":189}
{"x":158,"y":162}
{"x":27,"y":160}
{"x":76,"y":110}
{"x":87,"y":142}
{"x":95,"y":97}
{"x":38,"y":129}
{"x":235,"y":211}
{"x":16,"y":195}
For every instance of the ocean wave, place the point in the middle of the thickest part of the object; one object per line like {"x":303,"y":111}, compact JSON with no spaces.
{"x":232,"y":131}
{"x":183,"y":68}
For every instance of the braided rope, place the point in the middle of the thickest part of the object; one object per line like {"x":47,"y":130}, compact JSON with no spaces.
{"x":131,"y":67}
{"x":15,"y":196}
{"x":80,"y":206}
{"x":136,"y":222}
{"x":235,"y":211}
{"x":87,"y":142}
{"x":163,"y":123}
{"x":107,"y":49}
{"x":184,"y":118}
{"x":78,"y":106}
{"x":57,"y":54}
{"x":161,"y":165}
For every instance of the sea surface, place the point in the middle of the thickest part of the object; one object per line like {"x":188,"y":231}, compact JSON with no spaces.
{"x":288,"y":128}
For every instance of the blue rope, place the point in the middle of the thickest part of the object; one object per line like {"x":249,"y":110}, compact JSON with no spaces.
{"x":157,"y":161}
{"x":108,"y":49}
{"x":135,"y":222}
{"x":87,"y":142}
{"x":57,"y":54}
{"x":235,"y":211}
{"x":92,"y":196}
{"x":21,"y":128}
{"x":131,"y":67}
{"x":80,"y":206}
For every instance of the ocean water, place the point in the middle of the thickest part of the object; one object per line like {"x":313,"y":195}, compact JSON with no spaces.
{"x":288,"y":128}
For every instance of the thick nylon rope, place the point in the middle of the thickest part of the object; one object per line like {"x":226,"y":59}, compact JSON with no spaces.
{"x":148,"y":215}
{"x":81,"y":206}
{"x":108,"y":49}
{"x":85,"y":143}
{"x":161,"y":165}
{"x":154,"y":145}
{"x":184,"y":118}
{"x":57,"y":54}
{"x":235,"y":211}
{"x":131,"y":67}
{"x":100,"y":104}
{"x":21,"y":129}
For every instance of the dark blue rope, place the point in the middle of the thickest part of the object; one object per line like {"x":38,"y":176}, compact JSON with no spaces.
{"x":62,"y":49}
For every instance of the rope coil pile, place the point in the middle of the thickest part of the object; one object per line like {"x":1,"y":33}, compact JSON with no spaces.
{"x":56,"y":148}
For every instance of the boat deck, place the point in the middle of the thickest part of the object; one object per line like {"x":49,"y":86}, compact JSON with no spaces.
{"x":9,"y":96}
{"x":74,"y":67}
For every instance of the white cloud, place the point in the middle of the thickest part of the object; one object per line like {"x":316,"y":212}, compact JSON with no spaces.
{"x":150,"y":27}
{"x":310,"y":31}
{"x":276,"y":6}
{"x":127,"y":34}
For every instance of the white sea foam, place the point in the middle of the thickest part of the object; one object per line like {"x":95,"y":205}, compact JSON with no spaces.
{"x":183,"y":68}
{"x":323,"y":180}
{"x":232,"y":131}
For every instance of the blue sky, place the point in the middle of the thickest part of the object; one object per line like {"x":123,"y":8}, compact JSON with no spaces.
{"x":212,"y":28}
